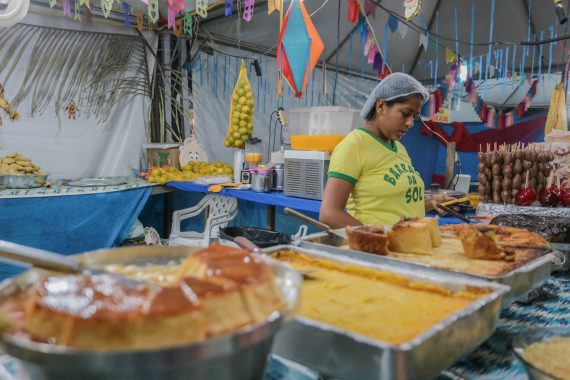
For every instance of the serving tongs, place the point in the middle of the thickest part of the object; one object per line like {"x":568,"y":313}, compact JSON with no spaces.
{"x":43,"y":259}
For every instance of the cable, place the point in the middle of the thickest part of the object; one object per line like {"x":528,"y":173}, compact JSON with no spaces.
{"x":269,"y":140}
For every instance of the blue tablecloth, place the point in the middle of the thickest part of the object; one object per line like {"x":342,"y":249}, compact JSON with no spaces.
{"x":272,"y":199}
{"x":70,"y":221}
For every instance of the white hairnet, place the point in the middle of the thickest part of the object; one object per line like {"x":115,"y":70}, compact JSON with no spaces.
{"x":395,"y":85}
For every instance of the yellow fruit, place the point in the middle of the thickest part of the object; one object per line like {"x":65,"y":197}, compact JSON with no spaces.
{"x":172,"y":169}
{"x":243,"y":123}
{"x":235,"y":120}
{"x":236,"y":135}
{"x":249,"y":102}
{"x":231,"y":139}
{"x":240,"y":92}
{"x":238,"y":143}
{"x":245,"y":109}
{"x":249,"y":95}
{"x":228,"y":170}
{"x":242,"y":100}
{"x":238,"y":107}
{"x":250,"y":125}
{"x":243,"y":116}
{"x":227,"y":143}
{"x":244,"y":137}
{"x":236,"y":114}
{"x":156,"y":172}
{"x":235,"y":97}
{"x":247,"y":87}
{"x":243,"y":130}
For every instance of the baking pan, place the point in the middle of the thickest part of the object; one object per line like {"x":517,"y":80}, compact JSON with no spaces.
{"x":240,"y":356}
{"x":339,"y":353}
{"x":522,"y":280}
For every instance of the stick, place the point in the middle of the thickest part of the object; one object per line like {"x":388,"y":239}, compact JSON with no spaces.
{"x":526,"y":181}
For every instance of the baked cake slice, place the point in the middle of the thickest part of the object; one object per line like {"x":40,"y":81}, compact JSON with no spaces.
{"x":417,"y":235}
{"x":371,"y":239}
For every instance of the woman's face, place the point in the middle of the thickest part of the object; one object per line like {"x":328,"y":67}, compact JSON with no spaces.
{"x":393,"y":121}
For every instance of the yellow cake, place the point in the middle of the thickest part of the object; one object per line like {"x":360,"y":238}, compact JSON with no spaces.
{"x":417,"y":235}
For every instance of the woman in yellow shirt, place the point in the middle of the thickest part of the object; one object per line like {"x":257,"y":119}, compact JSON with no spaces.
{"x":371,"y":179}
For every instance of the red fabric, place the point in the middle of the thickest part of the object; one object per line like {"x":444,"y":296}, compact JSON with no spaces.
{"x":353,"y":11}
{"x":386,"y":69}
{"x":525,"y":132}
{"x":501,"y":121}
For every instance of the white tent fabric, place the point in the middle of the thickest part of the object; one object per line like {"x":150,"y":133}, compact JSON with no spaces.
{"x":76,"y":148}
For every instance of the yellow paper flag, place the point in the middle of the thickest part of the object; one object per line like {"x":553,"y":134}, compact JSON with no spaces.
{"x":557,"y":118}
{"x":450,"y":56}
{"x":274,"y":5}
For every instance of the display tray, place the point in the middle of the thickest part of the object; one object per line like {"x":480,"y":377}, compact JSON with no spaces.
{"x":240,"y":355}
{"x":99,"y":181}
{"x":22,"y":181}
{"x":522,"y":279}
{"x":342,"y":353}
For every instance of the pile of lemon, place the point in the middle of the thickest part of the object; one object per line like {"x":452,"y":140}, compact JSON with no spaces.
{"x":190,"y":172}
{"x":241,"y":127}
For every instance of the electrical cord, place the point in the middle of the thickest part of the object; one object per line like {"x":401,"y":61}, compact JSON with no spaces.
{"x":269,"y":140}
{"x":336,"y":63}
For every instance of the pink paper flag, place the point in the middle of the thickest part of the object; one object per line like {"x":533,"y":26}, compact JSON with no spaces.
{"x":176,"y":5}
{"x":372,"y":53}
{"x":66,"y":8}
{"x":171,"y":16}
{"x":370,"y":8}
{"x":248,"y":10}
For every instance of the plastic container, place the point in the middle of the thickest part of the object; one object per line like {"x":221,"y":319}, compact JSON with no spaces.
{"x":253,"y":152}
{"x":321,"y":128}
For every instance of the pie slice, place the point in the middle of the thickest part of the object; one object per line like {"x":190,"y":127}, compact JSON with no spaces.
{"x":371,"y":239}
{"x":477,"y":245}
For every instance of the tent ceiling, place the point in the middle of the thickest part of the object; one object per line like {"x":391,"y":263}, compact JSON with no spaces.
{"x":511,"y":25}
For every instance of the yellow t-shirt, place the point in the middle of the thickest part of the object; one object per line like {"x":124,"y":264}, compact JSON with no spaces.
{"x":386,"y":185}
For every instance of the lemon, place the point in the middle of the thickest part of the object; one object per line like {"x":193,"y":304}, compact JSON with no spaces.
{"x":250,"y":125}
{"x":236,"y":135}
{"x":249,"y":102}
{"x":242,"y":100}
{"x":238,"y":107}
{"x":235,"y":97}
{"x":245,"y":109}
{"x":244,"y":137}
{"x":243,"y":123}
{"x":247,"y":87}
{"x":231,"y":139}
{"x":236,"y":114}
{"x":240,"y":92}
{"x":243,"y":116}
{"x":237,"y":143}
{"x":243,"y":130}
{"x":249,"y":95}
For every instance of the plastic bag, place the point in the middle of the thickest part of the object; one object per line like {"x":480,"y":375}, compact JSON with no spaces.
{"x":241,"y":112}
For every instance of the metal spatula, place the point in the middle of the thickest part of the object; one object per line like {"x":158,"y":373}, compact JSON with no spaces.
{"x":339,"y":232}
{"x":40,"y":258}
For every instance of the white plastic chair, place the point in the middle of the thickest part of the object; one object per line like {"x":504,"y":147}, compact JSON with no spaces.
{"x":221,"y":210}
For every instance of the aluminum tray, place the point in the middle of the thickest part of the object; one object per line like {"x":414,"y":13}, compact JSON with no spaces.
{"x":22,"y":181}
{"x":239,"y":356}
{"x":342,"y":354}
{"x":522,"y":281}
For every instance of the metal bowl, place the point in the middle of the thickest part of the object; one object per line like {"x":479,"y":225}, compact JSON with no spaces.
{"x":22,"y":181}
{"x":241,"y":355}
{"x":522,"y":340}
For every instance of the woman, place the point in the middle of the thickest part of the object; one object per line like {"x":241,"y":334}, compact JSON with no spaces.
{"x":370,"y":172}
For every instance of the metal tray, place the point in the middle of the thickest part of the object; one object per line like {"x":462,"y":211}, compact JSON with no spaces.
{"x":99,"y":181}
{"x":342,"y":354}
{"x":522,"y":280}
{"x":239,"y":356}
{"x":22,"y":181}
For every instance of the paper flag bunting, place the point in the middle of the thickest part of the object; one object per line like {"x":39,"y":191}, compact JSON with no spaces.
{"x":370,"y":8}
{"x":171,"y":18}
{"x":299,"y":47}
{"x":52,"y":3}
{"x":178,"y":27}
{"x":248,"y":10}
{"x":353,"y":11}
{"x":412,"y":8}
{"x":424,"y":41}
{"x":127,"y":11}
{"x":88,"y":19}
{"x":450,"y":56}
{"x":176,"y":5}
{"x":491,"y":71}
{"x":66,"y":8}
{"x":274,"y":5}
{"x":139,"y":21}
{"x":202,"y":8}
{"x":402,"y":29}
{"x":153,"y":12}
{"x":76,"y":11}
{"x":145,"y":2}
{"x":188,"y":24}
{"x":84,"y":2}
{"x":392,"y":23}
{"x":229,"y":7}
{"x":372,"y":54}
{"x":106,"y":7}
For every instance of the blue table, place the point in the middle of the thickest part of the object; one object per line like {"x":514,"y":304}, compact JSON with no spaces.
{"x":67,"y":220}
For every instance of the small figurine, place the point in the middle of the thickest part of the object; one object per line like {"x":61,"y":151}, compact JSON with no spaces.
{"x":12,"y":114}
{"x":71,"y":110}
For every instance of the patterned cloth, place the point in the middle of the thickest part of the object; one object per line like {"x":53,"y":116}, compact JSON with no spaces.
{"x":58,"y":190}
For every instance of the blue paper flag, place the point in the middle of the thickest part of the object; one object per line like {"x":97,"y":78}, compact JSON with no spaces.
{"x":127,"y":9}
{"x":229,"y":6}
{"x":392,"y":23}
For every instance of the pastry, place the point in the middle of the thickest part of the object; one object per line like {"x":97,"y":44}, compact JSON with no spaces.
{"x":417,"y":235}
{"x":371,"y":239}
{"x":477,"y":245}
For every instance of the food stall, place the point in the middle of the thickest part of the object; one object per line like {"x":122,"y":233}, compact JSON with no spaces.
{"x":476,"y":288}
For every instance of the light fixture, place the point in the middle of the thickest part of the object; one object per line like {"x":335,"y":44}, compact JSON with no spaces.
{"x":560,"y":12}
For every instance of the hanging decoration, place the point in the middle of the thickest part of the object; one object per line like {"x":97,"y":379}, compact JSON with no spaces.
{"x":370,"y":8}
{"x":176,"y":5}
{"x":274,"y":5}
{"x":557,"y":116}
{"x":5,"y":105}
{"x":106,"y":7}
{"x":371,"y":48}
{"x":171,"y":19}
{"x":412,"y":9}
{"x":76,"y":11}
{"x":127,"y":12}
{"x":202,"y":8}
{"x":229,"y":7}
{"x":71,"y":110}
{"x":248,"y":10}
{"x":353,"y":11}
{"x":84,"y":2}
{"x":299,"y":47}
{"x":52,"y":3}
{"x":178,"y":27}
{"x":153,"y":12}
{"x":139,"y":21}
{"x":66,"y":8}
{"x":188,"y":24}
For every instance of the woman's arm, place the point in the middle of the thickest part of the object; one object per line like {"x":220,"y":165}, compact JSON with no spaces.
{"x":334,"y":203}
{"x":439,"y":198}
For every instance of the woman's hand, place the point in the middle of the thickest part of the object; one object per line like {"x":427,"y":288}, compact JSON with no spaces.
{"x":438,"y":198}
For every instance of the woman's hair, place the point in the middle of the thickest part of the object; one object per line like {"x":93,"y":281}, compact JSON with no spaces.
{"x":390,"y":103}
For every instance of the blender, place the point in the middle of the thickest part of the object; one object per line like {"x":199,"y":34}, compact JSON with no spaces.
{"x":252,"y":158}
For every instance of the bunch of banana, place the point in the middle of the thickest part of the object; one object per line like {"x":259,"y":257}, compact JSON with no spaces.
{"x":15,"y":163}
